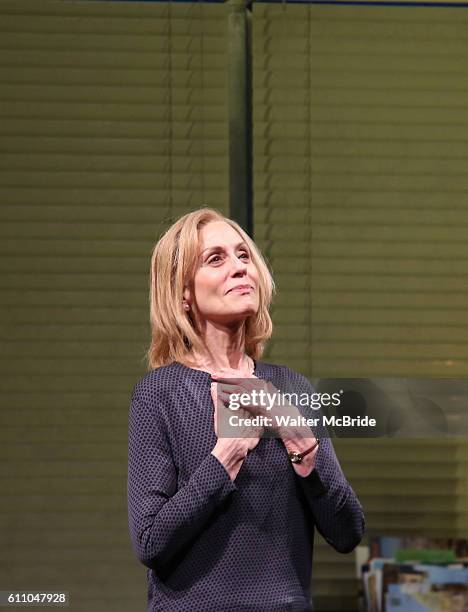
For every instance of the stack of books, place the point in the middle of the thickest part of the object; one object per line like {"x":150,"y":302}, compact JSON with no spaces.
{"x":414,"y":574}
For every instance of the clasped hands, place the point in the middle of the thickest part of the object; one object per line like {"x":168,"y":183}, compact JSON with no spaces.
{"x":251,"y":397}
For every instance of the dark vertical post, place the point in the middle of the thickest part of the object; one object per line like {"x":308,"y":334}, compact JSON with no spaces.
{"x":240,"y":115}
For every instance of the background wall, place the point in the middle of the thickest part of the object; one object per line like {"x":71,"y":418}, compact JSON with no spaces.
{"x":114,"y":123}
{"x":361,"y":205}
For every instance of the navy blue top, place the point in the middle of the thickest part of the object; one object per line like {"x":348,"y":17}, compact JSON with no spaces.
{"x":213,"y":545}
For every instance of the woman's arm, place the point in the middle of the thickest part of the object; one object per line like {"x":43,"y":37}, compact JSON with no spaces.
{"x":162,"y":519}
{"x":338,"y":514}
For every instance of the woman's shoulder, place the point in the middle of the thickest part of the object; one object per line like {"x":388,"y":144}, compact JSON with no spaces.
{"x":158,"y":380}
{"x":162,"y":373}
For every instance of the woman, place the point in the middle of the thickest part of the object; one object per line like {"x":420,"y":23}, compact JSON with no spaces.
{"x":223,"y":523}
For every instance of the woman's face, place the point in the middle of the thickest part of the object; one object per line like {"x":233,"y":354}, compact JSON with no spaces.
{"x":224,"y":264}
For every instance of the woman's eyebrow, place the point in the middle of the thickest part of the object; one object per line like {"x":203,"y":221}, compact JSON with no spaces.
{"x":220,"y":248}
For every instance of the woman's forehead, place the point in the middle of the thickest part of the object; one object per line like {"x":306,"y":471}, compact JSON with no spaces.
{"x":218,"y":233}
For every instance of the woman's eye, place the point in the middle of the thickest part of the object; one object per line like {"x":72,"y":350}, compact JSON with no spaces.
{"x":217,"y":258}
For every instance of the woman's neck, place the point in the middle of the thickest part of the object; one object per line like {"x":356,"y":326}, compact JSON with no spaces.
{"x":225,"y":352}
{"x":240,"y":366}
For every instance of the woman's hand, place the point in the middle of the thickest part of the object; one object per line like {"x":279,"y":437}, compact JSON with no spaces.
{"x":262,"y":392}
{"x":297,"y":438}
{"x":264,"y":400}
{"x":231,"y":452}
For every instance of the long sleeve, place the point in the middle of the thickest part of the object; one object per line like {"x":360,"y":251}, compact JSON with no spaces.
{"x":338,"y":514}
{"x":163,"y":519}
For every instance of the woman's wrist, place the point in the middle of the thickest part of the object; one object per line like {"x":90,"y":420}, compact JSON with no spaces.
{"x":230,"y":454}
{"x":301,"y":445}
{"x":295,"y":433}
{"x":298,"y":443}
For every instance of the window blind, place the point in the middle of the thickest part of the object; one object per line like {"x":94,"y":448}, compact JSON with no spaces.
{"x":360,"y":203}
{"x":113,"y":124}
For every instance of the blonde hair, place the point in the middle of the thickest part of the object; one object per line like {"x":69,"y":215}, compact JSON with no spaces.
{"x":174,"y":335}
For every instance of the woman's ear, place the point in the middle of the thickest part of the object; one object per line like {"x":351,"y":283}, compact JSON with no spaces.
{"x":187,"y":298}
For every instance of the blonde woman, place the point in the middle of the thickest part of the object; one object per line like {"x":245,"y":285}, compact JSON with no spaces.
{"x":223,"y":523}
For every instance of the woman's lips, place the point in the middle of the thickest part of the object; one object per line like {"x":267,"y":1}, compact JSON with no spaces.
{"x":242,"y":289}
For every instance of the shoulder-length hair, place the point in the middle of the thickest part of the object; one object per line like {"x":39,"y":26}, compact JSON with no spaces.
{"x":174,"y":334}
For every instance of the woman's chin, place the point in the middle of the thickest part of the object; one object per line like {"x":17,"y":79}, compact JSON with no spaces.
{"x":233,"y":316}
{"x":246,"y":311}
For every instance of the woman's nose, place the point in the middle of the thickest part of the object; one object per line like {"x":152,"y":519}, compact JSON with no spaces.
{"x":238,"y":265}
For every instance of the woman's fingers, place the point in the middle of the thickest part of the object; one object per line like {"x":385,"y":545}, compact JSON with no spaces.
{"x":251,"y":434}
{"x":227,"y":387}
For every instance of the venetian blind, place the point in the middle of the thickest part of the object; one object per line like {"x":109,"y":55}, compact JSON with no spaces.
{"x":113,"y":124}
{"x":361,"y":205}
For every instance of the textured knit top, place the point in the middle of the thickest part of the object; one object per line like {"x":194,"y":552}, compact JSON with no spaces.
{"x":215,"y":545}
